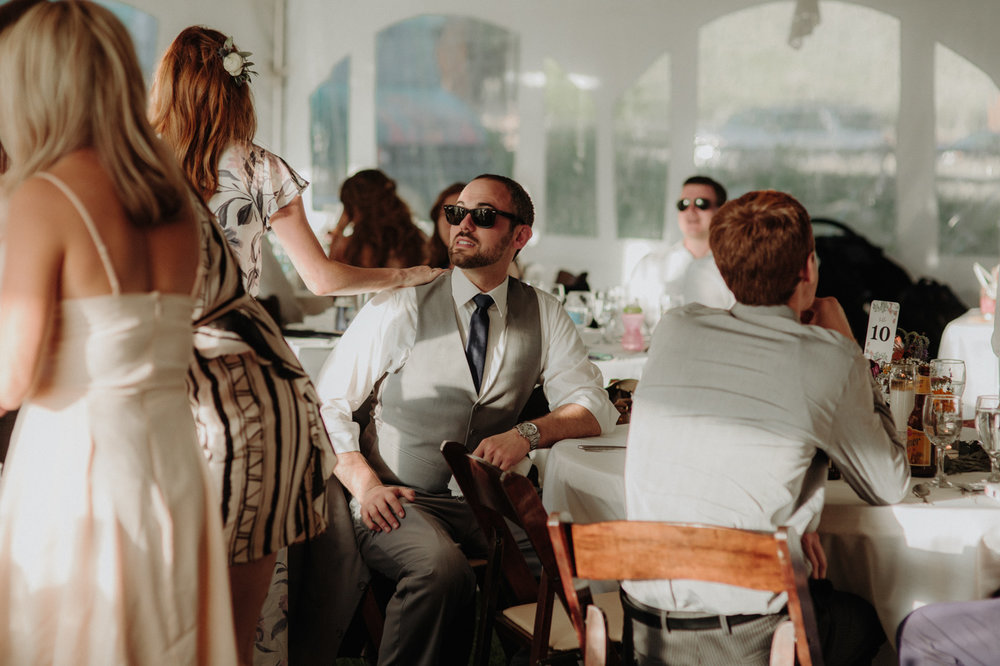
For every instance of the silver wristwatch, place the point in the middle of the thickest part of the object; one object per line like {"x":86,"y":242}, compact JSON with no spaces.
{"x":530,"y":432}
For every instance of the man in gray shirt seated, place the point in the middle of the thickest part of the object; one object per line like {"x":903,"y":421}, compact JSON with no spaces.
{"x":455,"y":359}
{"x":732,"y":424}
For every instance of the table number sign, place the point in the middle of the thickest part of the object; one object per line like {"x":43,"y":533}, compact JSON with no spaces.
{"x":881,"y":331}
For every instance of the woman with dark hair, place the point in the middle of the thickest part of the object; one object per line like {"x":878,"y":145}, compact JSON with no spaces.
{"x":436,"y":248}
{"x":376,"y":228}
{"x":110,"y":539}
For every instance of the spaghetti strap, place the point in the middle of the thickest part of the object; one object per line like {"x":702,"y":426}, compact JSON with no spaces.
{"x":102,"y":251}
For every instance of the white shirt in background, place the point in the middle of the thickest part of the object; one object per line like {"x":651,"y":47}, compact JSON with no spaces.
{"x":676,"y":273}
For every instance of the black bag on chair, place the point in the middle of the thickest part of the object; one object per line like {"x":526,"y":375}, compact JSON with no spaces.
{"x":926,"y":307}
{"x":856,"y":272}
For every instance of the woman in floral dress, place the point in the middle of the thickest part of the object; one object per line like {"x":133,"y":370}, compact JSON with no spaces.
{"x":256,"y":409}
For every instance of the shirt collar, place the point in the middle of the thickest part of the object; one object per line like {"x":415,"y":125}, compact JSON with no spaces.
{"x":462,"y":291}
{"x":743,"y":311}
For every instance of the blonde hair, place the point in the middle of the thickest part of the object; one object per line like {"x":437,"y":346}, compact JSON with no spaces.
{"x":71,"y":80}
{"x":198,"y":107}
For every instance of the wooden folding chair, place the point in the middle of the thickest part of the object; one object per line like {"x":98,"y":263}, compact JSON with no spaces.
{"x":640,"y":550}
{"x":532,"y":618}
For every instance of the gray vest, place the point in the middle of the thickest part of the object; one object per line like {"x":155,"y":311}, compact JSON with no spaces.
{"x":432,"y":399}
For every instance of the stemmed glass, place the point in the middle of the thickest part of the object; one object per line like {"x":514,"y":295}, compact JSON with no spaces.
{"x":942,"y":423}
{"x":607,"y":303}
{"x":988,"y":425}
{"x":947,"y":375}
{"x":603,"y":312}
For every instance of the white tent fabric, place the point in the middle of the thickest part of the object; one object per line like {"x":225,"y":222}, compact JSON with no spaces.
{"x":296,"y":43}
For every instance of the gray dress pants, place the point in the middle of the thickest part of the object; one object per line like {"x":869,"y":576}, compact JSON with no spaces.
{"x":430,"y":618}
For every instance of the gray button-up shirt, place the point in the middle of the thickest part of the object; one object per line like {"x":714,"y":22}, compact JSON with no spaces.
{"x":732,"y":409}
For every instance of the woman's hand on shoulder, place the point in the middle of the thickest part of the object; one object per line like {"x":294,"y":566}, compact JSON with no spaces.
{"x":419,"y":275}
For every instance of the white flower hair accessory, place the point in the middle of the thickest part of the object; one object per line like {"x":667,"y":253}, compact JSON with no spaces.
{"x":235,"y":62}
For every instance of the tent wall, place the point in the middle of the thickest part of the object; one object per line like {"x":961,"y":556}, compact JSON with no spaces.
{"x":613,"y":41}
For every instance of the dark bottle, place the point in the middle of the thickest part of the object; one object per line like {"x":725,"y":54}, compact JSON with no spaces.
{"x":919,"y":449}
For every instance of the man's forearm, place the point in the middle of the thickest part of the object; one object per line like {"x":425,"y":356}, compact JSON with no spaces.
{"x":565,"y":422}
{"x":355,"y":473}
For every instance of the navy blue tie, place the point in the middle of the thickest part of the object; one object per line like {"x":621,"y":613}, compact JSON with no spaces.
{"x":479,"y":328}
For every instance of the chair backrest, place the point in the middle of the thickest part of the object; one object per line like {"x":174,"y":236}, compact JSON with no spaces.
{"x":496,"y":497}
{"x":641,"y":550}
{"x":480,"y":484}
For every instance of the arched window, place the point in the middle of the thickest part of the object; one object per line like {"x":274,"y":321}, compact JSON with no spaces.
{"x":816,"y":121}
{"x":445,"y":103}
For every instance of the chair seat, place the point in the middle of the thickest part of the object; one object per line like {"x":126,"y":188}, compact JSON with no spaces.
{"x":562,"y":636}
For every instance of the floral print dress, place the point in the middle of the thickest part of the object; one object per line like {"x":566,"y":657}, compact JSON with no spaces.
{"x":253,"y":185}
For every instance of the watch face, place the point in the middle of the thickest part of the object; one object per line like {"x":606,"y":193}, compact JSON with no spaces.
{"x":530,"y":432}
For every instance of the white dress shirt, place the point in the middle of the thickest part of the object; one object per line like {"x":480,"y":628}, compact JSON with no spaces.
{"x":675,"y":272}
{"x":381,"y":336}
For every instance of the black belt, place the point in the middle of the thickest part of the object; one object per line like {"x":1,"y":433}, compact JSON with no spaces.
{"x":660,"y":619}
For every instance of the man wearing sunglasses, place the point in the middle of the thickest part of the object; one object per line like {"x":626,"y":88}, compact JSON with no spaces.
{"x":455,"y":359}
{"x":685,"y":272}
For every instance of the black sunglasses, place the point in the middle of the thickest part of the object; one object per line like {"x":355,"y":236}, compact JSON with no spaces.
{"x":484,"y":218}
{"x":699,"y":203}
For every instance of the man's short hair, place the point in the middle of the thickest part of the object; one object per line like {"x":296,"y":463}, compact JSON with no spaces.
{"x":519,"y":199}
{"x":761,"y":241}
{"x":720,"y":191}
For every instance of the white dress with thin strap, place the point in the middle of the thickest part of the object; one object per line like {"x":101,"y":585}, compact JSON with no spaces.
{"x":111,"y":547}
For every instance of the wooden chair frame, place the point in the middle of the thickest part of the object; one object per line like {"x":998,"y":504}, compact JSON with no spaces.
{"x":640,"y":550}
{"x":496,"y":497}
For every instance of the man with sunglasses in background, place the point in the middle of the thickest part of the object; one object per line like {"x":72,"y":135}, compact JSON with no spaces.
{"x":455,"y":359}
{"x":685,"y":272}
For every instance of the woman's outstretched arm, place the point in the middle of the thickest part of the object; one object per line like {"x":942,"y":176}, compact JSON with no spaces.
{"x":325,"y":276}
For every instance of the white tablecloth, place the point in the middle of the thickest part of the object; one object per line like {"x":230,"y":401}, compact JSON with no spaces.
{"x":968,"y":338}
{"x":613,"y":361}
{"x":898,"y":557}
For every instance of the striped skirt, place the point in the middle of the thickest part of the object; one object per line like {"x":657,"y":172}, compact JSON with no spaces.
{"x":261,"y":434}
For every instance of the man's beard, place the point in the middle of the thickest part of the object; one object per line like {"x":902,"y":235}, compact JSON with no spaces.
{"x":481,"y":258}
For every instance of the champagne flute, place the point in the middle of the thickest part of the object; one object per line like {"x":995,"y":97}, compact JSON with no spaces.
{"x":988,"y":425}
{"x":942,"y":423}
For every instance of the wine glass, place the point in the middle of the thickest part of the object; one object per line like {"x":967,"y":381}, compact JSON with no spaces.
{"x":988,"y":425}
{"x":604,"y":311}
{"x":942,"y":423}
{"x":947,"y":375}
{"x":579,"y":307}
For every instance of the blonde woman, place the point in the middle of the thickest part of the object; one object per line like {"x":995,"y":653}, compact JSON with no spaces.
{"x":110,"y":541}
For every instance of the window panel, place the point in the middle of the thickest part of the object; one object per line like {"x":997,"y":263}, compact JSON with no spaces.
{"x":967,"y":167}
{"x":328,"y":132}
{"x":570,"y":159}
{"x":642,"y":153}
{"x":142,"y":27}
